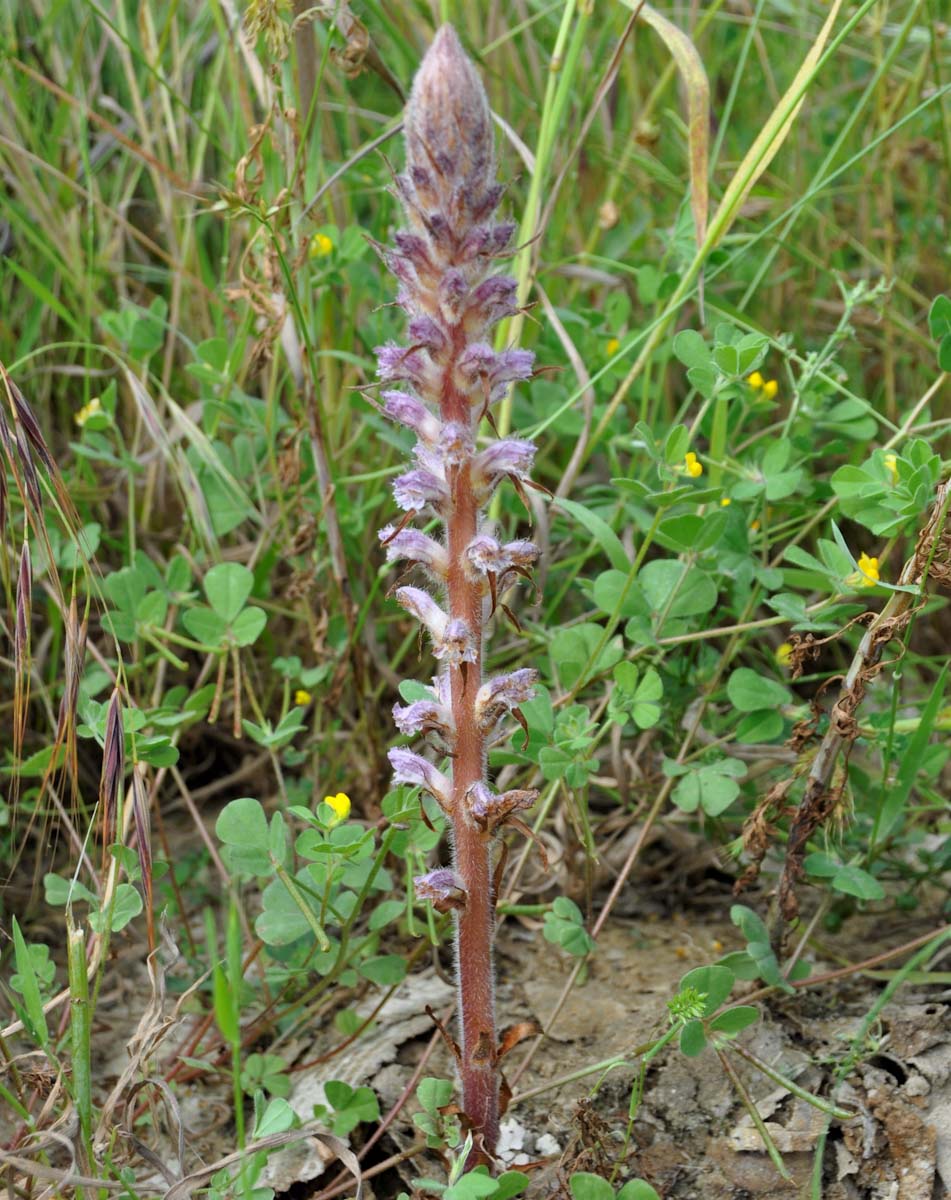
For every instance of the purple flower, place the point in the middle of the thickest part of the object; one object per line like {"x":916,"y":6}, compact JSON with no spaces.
{"x":412,"y":412}
{"x":457,"y":644}
{"x":523,"y":553}
{"x":425,"y":609}
{"x":510,"y":456}
{"x":494,"y":299}
{"x":488,"y":240}
{"x":490,"y":810}
{"x":420,"y":489}
{"x":485,"y":554}
{"x":428,"y":333}
{"x":415,"y":770}
{"x":453,"y":295}
{"x":401,"y":362}
{"x":443,"y":888}
{"x":423,"y":716}
{"x":503,"y":694}
{"x":416,"y":547}
{"x":479,"y":365}
{"x":455,"y":443}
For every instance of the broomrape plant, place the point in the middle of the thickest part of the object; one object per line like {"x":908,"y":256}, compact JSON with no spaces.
{"x":449,"y":376}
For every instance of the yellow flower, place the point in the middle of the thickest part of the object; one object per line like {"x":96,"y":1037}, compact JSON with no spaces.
{"x":725,"y":501}
{"x":770,"y":388}
{"x":754,"y":526}
{"x":755,"y":380}
{"x":340,"y":805}
{"x":693,"y":468}
{"x":320,"y":246}
{"x":784,"y":654}
{"x":891,"y":466}
{"x":867,"y":575}
{"x":613,"y":346}
{"x":302,"y":697}
{"x":88,"y":410}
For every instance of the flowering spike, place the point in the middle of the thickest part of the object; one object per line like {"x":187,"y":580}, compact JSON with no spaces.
{"x":450,"y":376}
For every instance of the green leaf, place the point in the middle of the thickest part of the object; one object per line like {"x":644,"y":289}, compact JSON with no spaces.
{"x":693,"y":1040}
{"x":733,"y":1020}
{"x":471,"y":1186}
{"x":433,"y":1094}
{"x":227,"y":586}
{"x":691,"y":349}
{"x":277,"y":1117}
{"x":510,"y":1183}
{"x":205,"y":626}
{"x":677,"y":589}
{"x":352,"y":1106}
{"x":242,"y":827}
{"x":749,"y":691}
{"x":911,"y":760}
{"x":384,"y":969}
{"x":248,"y":625}
{"x":763,"y":726}
{"x":715,"y":982}
{"x":637,"y":1189}
{"x":712,"y":786}
{"x":58,"y":890}
{"x":939,"y":317}
{"x":32,"y":1011}
{"x":126,"y":905}
{"x":585,"y":1186}
{"x":572,"y":649}
{"x":385,"y":912}
{"x":600,"y":530}
{"x":614,"y":592}
{"x":853,"y":881}
{"x":676,"y":445}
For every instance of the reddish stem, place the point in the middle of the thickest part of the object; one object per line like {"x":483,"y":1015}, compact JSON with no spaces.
{"x":475,"y":923}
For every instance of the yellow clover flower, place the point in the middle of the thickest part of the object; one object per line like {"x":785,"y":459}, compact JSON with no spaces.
{"x":302,"y":697}
{"x":784,"y":654}
{"x":340,"y":805}
{"x":320,"y":246}
{"x":725,"y":501}
{"x":891,"y":466}
{"x":612,"y":347}
{"x":868,"y":573}
{"x":757,"y":382}
{"x":692,"y":466}
{"x":88,"y":410}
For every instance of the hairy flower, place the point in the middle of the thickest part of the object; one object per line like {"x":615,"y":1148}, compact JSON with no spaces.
{"x":453,"y":640}
{"x":443,"y":888}
{"x":413,"y":546}
{"x":423,"y":716}
{"x":411,"y":412}
{"x":490,"y":810}
{"x":415,"y":770}
{"x":503,"y":694}
{"x":418,"y":490}
{"x":511,"y":457}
